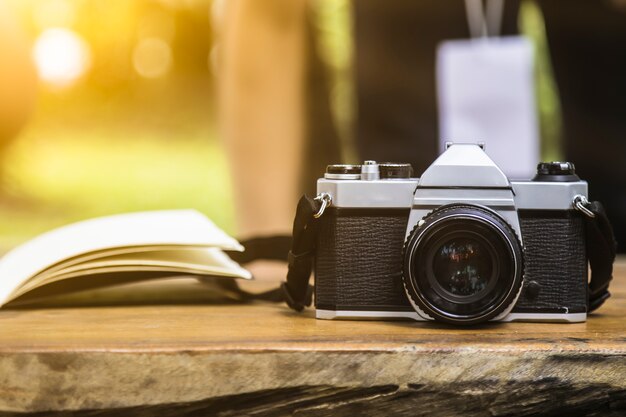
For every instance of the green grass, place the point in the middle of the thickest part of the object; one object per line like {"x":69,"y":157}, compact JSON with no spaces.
{"x":56,"y":177}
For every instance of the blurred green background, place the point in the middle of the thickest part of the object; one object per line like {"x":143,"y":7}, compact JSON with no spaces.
{"x":125,"y":114}
{"x":132,"y":129}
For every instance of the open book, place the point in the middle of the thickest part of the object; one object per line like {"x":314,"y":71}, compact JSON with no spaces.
{"x":117,"y":250}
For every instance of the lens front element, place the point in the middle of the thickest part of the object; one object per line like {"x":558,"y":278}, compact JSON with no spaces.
{"x":463,"y":267}
{"x":462,"y":264}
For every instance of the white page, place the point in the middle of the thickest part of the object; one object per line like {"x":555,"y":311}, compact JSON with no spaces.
{"x":201,"y":259}
{"x":144,"y":254}
{"x":171,"y":228}
{"x":185,"y":261}
{"x":106,"y":253}
{"x":180,"y":270}
{"x":486,"y":93}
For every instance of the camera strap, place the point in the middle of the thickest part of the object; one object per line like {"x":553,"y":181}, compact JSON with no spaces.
{"x":272,"y":248}
{"x":300,"y":251}
{"x":601,"y":249}
{"x":297,"y":291}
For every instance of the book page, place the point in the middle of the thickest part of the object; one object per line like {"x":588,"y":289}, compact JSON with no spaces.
{"x":138,"y":290}
{"x":106,"y":253}
{"x":169,"y":228}
{"x":186,"y":260}
{"x":183,"y":257}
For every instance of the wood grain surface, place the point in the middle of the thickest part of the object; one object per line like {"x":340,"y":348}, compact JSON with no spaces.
{"x":263,"y":359}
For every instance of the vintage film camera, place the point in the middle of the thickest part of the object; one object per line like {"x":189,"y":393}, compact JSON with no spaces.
{"x":462,"y":244}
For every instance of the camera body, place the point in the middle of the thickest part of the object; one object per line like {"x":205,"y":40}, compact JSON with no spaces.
{"x":462,"y":244}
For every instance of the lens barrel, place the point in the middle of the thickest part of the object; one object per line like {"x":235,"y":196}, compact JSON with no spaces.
{"x":463,"y":264}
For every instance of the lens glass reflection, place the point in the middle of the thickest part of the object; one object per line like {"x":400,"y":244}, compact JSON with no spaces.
{"x":463,"y":267}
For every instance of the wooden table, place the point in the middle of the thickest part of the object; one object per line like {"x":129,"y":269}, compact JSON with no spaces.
{"x":263,"y":359}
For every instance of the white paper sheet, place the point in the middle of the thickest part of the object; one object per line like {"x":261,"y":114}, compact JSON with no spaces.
{"x":486,"y":94}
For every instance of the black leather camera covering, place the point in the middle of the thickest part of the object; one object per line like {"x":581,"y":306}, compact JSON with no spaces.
{"x":555,"y":262}
{"x":359,"y":261}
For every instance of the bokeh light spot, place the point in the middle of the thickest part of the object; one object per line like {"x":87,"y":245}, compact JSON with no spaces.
{"x":152,"y":57}
{"x":61,"y":56}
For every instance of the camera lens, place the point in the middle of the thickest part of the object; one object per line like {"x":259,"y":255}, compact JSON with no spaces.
{"x":462,"y":267}
{"x":462,"y":264}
